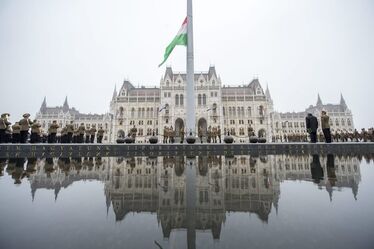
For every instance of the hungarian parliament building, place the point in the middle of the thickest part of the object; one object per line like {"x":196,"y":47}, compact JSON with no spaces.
{"x":231,"y":108}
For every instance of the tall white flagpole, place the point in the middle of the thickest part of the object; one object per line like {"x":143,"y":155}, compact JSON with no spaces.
{"x":190,"y":119}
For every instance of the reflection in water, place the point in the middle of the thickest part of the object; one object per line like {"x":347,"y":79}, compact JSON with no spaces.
{"x":161,"y":184}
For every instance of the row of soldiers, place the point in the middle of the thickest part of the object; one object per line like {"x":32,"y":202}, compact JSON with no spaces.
{"x":19,"y":132}
{"x":341,"y":136}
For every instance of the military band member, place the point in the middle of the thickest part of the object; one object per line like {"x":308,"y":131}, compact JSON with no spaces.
{"x":219,"y":133}
{"x":92,"y":133}
{"x":64,"y":135}
{"x":100,"y":135}
{"x":200,"y":133}
{"x":52,"y":131}
{"x":171,"y":134}
{"x":87,"y":136}
{"x":209,"y":134}
{"x":75,"y":137}
{"x":4,"y":124}
{"x":133,"y":132}
{"x":70,"y":131}
{"x":214,"y":134}
{"x":25,"y":126}
{"x":165,"y":135}
{"x":250,"y":131}
{"x":35,"y":132}
{"x":16,"y":133}
{"x":181,"y":133}
{"x":81,"y":131}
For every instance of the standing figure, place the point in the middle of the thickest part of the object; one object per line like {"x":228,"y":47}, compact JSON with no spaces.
{"x":133,"y":132}
{"x":200,"y":133}
{"x":100,"y":135}
{"x":81,"y":130}
{"x":64,"y":135}
{"x":87,"y":136}
{"x":171,"y":134}
{"x":70,"y":131}
{"x":92,"y":133}
{"x":25,"y":126}
{"x":35,"y":132}
{"x":181,"y":133}
{"x":52,"y":131}
{"x":4,"y":125}
{"x":311,"y":127}
{"x":219,"y":133}
{"x":250,"y":131}
{"x":325,"y":123}
{"x":16,"y":133}
{"x":165,"y":135}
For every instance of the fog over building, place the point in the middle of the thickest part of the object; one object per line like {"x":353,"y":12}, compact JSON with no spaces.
{"x":231,"y":108}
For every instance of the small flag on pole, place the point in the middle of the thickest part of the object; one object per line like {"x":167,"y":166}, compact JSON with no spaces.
{"x":162,"y":108}
{"x":179,"y":39}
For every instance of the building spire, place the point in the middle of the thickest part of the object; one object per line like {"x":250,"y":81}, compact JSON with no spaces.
{"x":65,"y":107}
{"x":319,"y":101}
{"x":267,"y":93}
{"x":115,"y":92}
{"x":43,"y":107}
{"x":342,"y":100}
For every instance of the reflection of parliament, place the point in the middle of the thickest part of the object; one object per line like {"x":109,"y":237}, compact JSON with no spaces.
{"x":158,"y":185}
{"x":231,"y":108}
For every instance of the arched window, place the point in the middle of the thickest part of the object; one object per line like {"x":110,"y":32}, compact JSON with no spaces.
{"x":143,"y":112}
{"x":147,"y":113}
{"x":349,"y":122}
{"x":233,"y":111}
{"x":133,"y":112}
{"x":176,"y":99}
{"x":204,"y":99}
{"x":181,"y":101}
{"x":230,"y":111}
{"x":337,"y":122}
{"x":238,"y":108}
{"x":167,"y":83}
{"x":223,"y":111}
{"x":343,"y":122}
{"x":199,"y":99}
{"x":167,"y":109}
{"x":121,"y":111}
{"x":152,"y":112}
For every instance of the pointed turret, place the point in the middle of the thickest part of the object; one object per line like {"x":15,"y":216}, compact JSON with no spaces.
{"x":43,"y":107}
{"x":267,"y":94}
{"x":319,"y":101}
{"x":65,"y":107}
{"x":342,"y":101}
{"x":115,"y":94}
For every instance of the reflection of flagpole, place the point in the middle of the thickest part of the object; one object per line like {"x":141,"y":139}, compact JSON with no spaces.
{"x":190,"y":117}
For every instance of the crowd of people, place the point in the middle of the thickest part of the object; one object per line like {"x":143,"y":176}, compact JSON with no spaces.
{"x":19,"y":132}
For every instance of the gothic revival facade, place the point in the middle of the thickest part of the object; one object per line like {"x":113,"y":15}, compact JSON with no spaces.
{"x":231,"y":108}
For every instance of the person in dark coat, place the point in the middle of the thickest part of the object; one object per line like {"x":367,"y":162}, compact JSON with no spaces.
{"x":311,"y":127}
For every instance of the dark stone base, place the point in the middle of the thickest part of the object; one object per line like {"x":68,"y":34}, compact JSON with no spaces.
{"x":153,"y":140}
{"x":262,"y":140}
{"x":190,"y":139}
{"x":253,"y":139}
{"x":120,"y":141}
{"x":129,"y":140}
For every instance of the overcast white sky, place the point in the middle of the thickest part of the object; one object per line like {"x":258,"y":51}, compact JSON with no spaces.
{"x":82,"y":48}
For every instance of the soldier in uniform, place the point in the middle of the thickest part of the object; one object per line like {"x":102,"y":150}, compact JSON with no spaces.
{"x":35,"y":132}
{"x":133,"y":133}
{"x":165,"y":135}
{"x":181,"y":133}
{"x":75,"y":137}
{"x":87,"y":136}
{"x":250,"y":131}
{"x":52,"y":131}
{"x":200,"y":133}
{"x":100,"y":135}
{"x":325,"y":123}
{"x":4,"y":124}
{"x":364,"y":135}
{"x":25,"y":126}
{"x":312,"y":126}
{"x":16,"y":133}
{"x":70,"y":131}
{"x":209,"y":134}
{"x":93,"y":133}
{"x":64,"y":135}
{"x":214,"y":134}
{"x":171,"y":134}
{"x":81,"y":131}
{"x":219,"y":133}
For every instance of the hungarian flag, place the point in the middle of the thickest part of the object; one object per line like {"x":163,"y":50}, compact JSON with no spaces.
{"x":179,"y":39}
